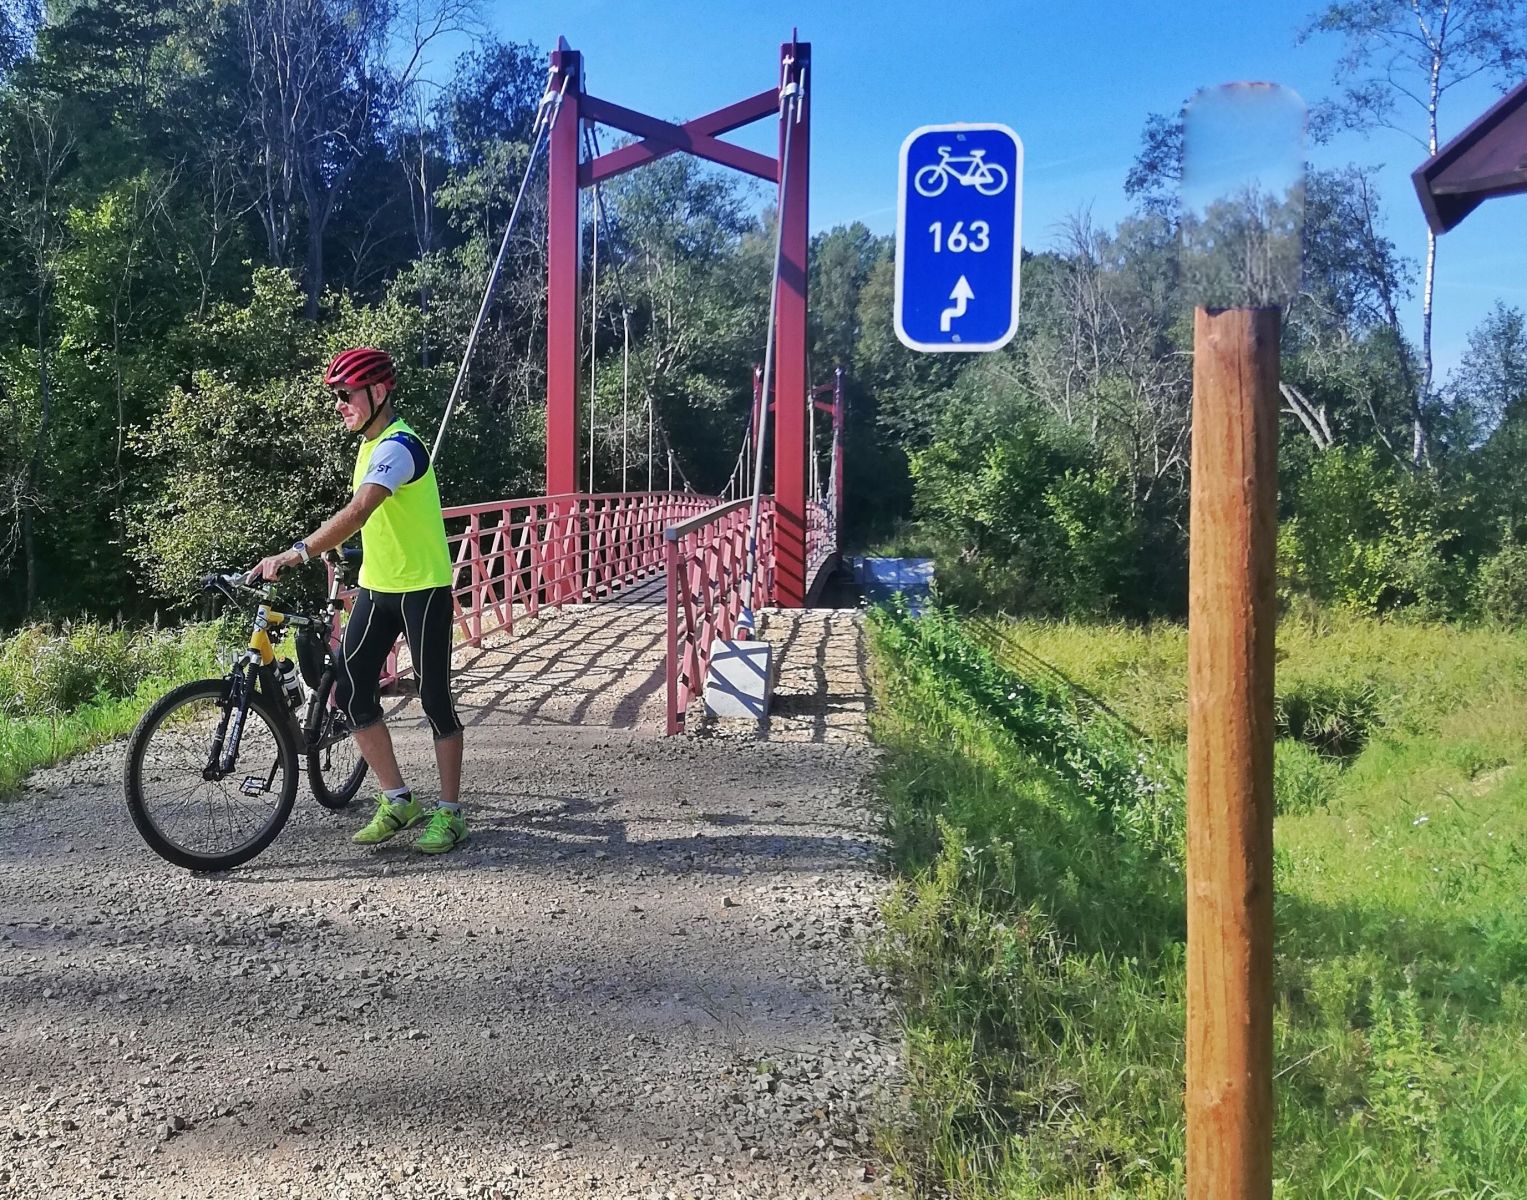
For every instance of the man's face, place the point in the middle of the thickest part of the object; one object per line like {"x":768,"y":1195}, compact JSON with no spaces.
{"x":353,"y":407}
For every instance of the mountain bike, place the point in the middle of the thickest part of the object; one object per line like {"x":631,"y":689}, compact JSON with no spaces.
{"x":990,"y":179}
{"x":212,"y":767}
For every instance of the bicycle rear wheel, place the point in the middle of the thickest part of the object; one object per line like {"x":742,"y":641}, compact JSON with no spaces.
{"x":335,"y":764}
{"x":187,"y":815}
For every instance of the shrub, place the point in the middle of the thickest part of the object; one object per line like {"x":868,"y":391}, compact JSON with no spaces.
{"x":48,"y":670}
{"x":1501,"y":588}
{"x":1039,"y":522}
{"x":1301,"y":779}
{"x":1366,"y":535}
{"x":1332,"y":718}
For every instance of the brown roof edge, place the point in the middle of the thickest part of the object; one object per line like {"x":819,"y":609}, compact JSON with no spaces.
{"x":1487,"y":159}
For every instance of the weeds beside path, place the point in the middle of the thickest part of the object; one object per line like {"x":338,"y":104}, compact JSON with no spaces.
{"x":66,"y":690}
{"x":1033,"y":789}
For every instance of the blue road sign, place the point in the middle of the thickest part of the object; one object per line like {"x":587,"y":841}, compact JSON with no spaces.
{"x":957,"y":237}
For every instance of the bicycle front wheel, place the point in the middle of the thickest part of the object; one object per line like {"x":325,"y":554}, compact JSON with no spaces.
{"x":185,"y":812}
{"x":335,"y":764}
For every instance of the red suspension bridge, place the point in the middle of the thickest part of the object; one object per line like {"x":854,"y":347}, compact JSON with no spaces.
{"x":518,"y":558}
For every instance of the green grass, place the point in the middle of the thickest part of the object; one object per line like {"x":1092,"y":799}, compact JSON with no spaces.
{"x":66,"y":689}
{"x":906,"y":539}
{"x":1037,"y":924}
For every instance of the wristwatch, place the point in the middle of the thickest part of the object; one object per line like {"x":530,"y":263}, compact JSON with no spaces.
{"x":302,"y":549}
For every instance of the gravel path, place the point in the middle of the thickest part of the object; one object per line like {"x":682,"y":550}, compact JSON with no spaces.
{"x":642,"y":977}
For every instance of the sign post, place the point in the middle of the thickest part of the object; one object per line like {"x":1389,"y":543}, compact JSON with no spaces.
{"x":957,"y":244}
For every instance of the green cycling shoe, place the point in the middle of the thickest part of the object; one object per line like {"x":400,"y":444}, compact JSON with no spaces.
{"x":390,"y":819}
{"x":446,"y":830}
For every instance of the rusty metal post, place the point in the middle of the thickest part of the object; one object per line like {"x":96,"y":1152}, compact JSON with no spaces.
{"x":562,"y":280}
{"x":1231,"y":630}
{"x":791,"y":385}
{"x":838,"y":431}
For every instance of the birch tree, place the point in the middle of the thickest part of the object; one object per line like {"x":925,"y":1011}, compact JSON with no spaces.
{"x":1400,"y":60}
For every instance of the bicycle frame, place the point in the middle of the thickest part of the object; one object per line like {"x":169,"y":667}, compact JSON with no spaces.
{"x":976,"y":159}
{"x":256,"y":668}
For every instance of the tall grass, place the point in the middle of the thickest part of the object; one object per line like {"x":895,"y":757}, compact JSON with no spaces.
{"x":1038,"y":923}
{"x":64,"y":689}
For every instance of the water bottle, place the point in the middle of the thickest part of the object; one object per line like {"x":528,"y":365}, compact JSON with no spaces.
{"x":288,"y":672}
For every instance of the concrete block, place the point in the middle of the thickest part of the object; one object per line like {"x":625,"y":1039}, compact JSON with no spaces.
{"x":740,"y":681}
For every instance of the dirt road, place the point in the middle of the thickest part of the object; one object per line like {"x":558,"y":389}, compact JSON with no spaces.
{"x":642,"y":977}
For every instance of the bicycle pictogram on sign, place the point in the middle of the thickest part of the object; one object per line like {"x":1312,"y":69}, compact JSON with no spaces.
{"x":990,"y":179}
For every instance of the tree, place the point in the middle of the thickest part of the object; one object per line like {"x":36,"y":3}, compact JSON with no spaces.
{"x":32,"y":163}
{"x":841,"y":261}
{"x":489,"y":104}
{"x":19,"y":20}
{"x":1490,"y":383}
{"x":1346,"y":357}
{"x":1489,"y":410}
{"x":320,"y":94}
{"x":1103,"y":348}
{"x":1400,"y":59}
{"x":491,"y":97}
{"x":1156,"y":174}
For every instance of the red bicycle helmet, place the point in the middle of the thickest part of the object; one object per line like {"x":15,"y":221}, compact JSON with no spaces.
{"x":361,"y":367}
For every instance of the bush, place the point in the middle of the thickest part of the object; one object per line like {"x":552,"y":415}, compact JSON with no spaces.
{"x":247,"y":454}
{"x":1501,"y":588}
{"x":1366,"y":535}
{"x":1038,"y":523}
{"x":52,"y":671}
{"x":1333,"y":719}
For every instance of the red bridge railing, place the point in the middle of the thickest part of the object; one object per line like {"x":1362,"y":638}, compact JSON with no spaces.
{"x":706,"y":567}
{"x":515,"y":557}
{"x":524,"y":555}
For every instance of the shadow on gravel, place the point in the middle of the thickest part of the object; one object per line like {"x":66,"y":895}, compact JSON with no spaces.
{"x":606,"y":851}
{"x":599,"y":664}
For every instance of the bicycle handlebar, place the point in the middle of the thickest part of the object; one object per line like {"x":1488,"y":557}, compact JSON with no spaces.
{"x":234,"y":582}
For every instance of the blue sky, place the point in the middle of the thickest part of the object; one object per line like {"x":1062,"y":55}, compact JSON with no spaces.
{"x":1076,"y":80}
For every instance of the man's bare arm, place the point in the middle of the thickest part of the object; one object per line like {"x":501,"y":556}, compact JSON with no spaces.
{"x":333,"y":532}
{"x":346,"y":523}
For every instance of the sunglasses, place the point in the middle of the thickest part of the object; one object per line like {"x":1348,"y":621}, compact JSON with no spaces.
{"x":348,"y":397}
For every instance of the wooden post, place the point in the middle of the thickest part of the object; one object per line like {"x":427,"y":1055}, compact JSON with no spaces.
{"x":1231,"y":629}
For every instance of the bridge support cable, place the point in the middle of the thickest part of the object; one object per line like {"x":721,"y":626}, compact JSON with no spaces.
{"x":546,"y":119}
{"x":602,"y":221}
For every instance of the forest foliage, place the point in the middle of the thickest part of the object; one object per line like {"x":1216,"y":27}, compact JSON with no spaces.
{"x":171,"y":287}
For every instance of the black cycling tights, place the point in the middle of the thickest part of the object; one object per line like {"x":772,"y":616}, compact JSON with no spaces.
{"x":376,"y":619}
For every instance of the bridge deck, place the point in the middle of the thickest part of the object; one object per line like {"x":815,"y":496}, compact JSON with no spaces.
{"x":601,"y":666}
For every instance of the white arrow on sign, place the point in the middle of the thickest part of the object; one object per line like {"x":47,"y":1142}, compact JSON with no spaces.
{"x":962,"y":296}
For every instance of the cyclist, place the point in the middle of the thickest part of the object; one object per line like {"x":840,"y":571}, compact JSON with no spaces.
{"x":405,"y":587}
